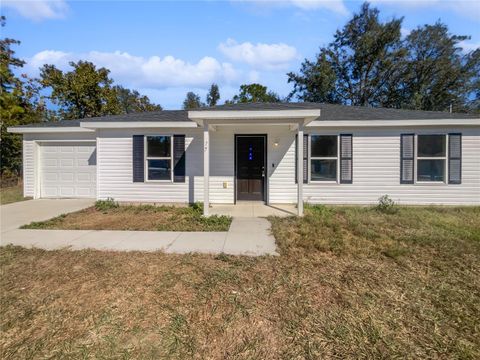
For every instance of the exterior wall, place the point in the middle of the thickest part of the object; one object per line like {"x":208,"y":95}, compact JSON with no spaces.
{"x":376,"y":167}
{"x":114,"y":165}
{"x":376,"y":171}
{"x":115,"y":168}
{"x":31,"y":156}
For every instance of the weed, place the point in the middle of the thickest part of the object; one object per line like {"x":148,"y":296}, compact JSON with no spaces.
{"x":386,"y":205}
{"x":104,"y":205}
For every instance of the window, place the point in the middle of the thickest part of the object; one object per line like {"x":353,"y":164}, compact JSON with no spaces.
{"x":323,"y":157}
{"x":431,"y":157}
{"x":159,"y":157}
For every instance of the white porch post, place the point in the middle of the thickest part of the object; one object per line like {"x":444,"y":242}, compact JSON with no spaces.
{"x":206,"y":168}
{"x":300,"y":170}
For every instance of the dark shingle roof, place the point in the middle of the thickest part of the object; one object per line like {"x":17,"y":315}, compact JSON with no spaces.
{"x":329,"y":112}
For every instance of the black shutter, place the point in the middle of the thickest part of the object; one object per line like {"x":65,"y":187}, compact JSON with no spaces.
{"x":454,"y":158}
{"x":305,"y":159}
{"x":407,"y":158}
{"x":346,"y":159}
{"x":138,"y":158}
{"x":179,"y":158}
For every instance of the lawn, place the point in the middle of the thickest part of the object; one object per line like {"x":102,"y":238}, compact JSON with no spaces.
{"x":12,"y":194}
{"x":350,"y":283}
{"x":108,"y":215}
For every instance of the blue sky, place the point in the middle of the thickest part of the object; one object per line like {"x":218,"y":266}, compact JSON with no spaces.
{"x":164,"y":49}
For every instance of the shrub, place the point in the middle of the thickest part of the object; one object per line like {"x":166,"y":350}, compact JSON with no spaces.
{"x":386,"y":205}
{"x":104,"y":205}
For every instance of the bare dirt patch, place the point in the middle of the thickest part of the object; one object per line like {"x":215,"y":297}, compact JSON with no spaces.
{"x":139,"y":217}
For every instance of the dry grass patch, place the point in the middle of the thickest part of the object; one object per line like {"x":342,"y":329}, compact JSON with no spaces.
{"x":334,"y":293}
{"x":136,"y":217}
{"x":12,"y":194}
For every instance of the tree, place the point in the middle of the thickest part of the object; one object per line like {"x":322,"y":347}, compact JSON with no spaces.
{"x":368,"y":64}
{"x":131,"y":101}
{"x":82,"y":92}
{"x":213,"y":95}
{"x":358,"y":67}
{"x":438,"y":74}
{"x":192,"y":101}
{"x":254,"y":93}
{"x":20,"y":103}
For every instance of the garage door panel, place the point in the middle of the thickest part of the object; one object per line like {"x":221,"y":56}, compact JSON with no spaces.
{"x":67,"y":170}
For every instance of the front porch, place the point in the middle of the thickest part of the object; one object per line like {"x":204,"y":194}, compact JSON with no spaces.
{"x":251,"y":180}
{"x":253,"y":209}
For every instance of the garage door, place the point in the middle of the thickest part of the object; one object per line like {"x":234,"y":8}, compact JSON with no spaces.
{"x":68,"y":170}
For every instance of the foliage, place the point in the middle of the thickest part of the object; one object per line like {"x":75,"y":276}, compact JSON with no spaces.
{"x":436,"y":72}
{"x":213,"y":95}
{"x":87,"y":91}
{"x":386,"y":205}
{"x":83,"y":92}
{"x":368,"y":64}
{"x":131,"y":101}
{"x":20,"y":103}
{"x":254,"y":93}
{"x":104,"y":205}
{"x":192,"y":101}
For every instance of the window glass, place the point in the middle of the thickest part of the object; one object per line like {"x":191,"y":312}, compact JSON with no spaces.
{"x":158,"y":146}
{"x":431,"y":145}
{"x":324,"y":170}
{"x":324,"y":146}
{"x":431,"y":170}
{"x":159,"y":169}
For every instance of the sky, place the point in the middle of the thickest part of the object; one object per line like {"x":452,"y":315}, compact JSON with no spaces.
{"x":165,"y":48}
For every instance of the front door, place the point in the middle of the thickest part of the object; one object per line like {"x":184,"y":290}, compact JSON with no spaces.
{"x":250,"y":167}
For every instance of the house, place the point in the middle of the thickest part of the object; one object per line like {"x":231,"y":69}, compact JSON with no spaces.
{"x":257,"y":152}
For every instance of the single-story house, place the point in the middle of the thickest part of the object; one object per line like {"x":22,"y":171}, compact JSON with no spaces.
{"x":258,"y":152}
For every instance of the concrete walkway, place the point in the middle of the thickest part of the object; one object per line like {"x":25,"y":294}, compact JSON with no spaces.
{"x":246,"y":236}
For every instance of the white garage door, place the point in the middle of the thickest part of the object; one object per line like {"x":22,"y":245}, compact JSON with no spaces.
{"x":68,"y":170}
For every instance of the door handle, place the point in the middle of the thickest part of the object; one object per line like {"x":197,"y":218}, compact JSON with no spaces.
{"x":263,"y":171}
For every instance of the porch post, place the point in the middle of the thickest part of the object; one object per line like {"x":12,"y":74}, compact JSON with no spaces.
{"x":300,"y":170}
{"x":206,"y":168}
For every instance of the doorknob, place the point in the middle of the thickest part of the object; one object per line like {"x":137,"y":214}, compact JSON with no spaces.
{"x":263,"y":171}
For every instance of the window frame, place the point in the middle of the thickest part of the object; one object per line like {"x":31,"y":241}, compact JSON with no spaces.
{"x":337,"y":158}
{"x":146,"y":157}
{"x":443,"y":158}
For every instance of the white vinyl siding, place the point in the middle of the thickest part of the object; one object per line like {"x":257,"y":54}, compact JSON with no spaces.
{"x":376,"y":172}
{"x":376,"y":167}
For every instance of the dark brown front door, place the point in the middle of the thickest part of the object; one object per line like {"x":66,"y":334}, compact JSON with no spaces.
{"x":250,"y":160}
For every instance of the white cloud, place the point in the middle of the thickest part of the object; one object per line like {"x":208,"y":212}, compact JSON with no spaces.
{"x":260,"y":56}
{"x":38,"y":9}
{"x":155,"y":71}
{"x":336,"y":6}
{"x":469,"y":46}
{"x":467,"y":8}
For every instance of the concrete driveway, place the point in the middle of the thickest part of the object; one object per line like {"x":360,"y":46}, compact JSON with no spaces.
{"x":24,"y":212}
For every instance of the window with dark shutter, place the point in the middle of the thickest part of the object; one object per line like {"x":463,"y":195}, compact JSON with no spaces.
{"x":179,"y":158}
{"x":346,"y":159}
{"x":138,"y":158}
{"x":305,"y":158}
{"x":454,"y":158}
{"x":407,"y":155}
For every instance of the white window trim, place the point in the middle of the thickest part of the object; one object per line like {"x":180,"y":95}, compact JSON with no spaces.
{"x":146,"y":157}
{"x":444,"y":158}
{"x":310,"y":158}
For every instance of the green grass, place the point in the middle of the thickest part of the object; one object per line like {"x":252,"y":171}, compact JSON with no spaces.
{"x":12,"y":194}
{"x":108,"y":215}
{"x":351,"y":283}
